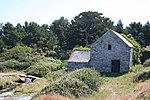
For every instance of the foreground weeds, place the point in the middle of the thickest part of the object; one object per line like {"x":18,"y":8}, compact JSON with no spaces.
{"x":79,"y":83}
{"x":117,"y":85}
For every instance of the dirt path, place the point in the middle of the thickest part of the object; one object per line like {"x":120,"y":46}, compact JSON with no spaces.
{"x":112,"y":94}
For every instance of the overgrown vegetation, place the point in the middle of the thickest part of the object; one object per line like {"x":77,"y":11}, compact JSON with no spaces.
{"x":142,"y":76}
{"x":136,"y":69}
{"x":63,"y":35}
{"x":17,"y":58}
{"x":44,"y":66}
{"x":20,"y":53}
{"x":147,"y":63}
{"x":21,"y":58}
{"x":13,"y":65}
{"x":81,"y":48}
{"x":136,"y":49}
{"x":145,"y":54}
{"x":89,"y":76}
{"x":81,"y":82}
{"x":115,"y":85}
{"x":52,"y":76}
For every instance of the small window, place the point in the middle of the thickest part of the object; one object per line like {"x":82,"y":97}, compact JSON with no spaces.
{"x":109,"y":47}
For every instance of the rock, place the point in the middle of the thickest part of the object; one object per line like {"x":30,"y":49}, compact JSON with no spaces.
{"x":27,"y":80}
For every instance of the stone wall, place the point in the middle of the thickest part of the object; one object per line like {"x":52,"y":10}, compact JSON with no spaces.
{"x":76,"y":65}
{"x":101,"y":57}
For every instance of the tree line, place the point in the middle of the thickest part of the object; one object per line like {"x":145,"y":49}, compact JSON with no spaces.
{"x":61,"y":34}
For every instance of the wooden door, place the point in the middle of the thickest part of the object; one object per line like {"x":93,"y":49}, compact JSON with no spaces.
{"x":115,"y":66}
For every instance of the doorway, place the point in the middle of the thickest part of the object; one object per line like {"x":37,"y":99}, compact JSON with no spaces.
{"x":115,"y":66}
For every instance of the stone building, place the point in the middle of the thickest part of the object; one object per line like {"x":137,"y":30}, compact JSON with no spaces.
{"x":79,"y":59}
{"x":110,"y":53}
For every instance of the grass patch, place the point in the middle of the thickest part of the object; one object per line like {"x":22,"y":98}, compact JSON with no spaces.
{"x":97,"y":95}
{"x":81,"y":48}
{"x":2,"y":81}
{"x":116,"y":84}
{"x":34,"y":87}
{"x":123,"y":84}
{"x":137,"y":68}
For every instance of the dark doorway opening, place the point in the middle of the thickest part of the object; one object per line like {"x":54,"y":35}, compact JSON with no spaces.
{"x":109,"y":47}
{"x":115,"y":66}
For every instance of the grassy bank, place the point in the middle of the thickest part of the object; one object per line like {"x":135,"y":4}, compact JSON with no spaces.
{"x":117,"y":86}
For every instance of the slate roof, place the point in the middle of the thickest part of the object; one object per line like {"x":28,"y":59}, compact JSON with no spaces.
{"x":122,"y":38}
{"x":80,"y":56}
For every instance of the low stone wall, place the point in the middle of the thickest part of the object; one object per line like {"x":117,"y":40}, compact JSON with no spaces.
{"x":76,"y":65}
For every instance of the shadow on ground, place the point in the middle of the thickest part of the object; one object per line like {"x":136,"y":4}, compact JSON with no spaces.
{"x":112,"y":74}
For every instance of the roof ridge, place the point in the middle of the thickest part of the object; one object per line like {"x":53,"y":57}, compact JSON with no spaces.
{"x":121,"y":37}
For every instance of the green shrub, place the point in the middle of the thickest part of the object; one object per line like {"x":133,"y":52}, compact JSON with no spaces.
{"x":21,"y":57}
{"x":137,"y":68}
{"x":88,"y":76}
{"x":145,"y":54}
{"x":13,"y":65}
{"x":136,"y":49}
{"x":81,"y":48}
{"x":39,"y":71}
{"x":140,"y":77}
{"x":70,"y":87}
{"x":63,"y":65}
{"x":78,"y":83}
{"x":43,"y":67}
{"x":55,"y":75}
{"x":63,"y":54}
{"x":147,"y":63}
{"x":17,"y":58}
{"x":18,"y":53}
{"x":51,"y":54}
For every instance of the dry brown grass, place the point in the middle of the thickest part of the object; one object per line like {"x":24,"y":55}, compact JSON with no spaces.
{"x":12,"y":74}
{"x":49,"y":97}
{"x":141,"y":92}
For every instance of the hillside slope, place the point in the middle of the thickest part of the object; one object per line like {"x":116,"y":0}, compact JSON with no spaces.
{"x":123,"y":87}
